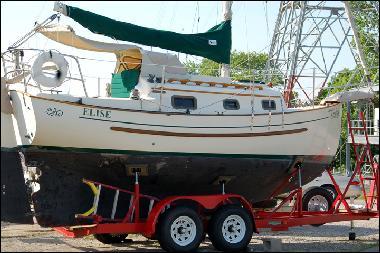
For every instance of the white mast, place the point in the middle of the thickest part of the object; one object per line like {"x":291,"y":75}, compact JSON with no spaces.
{"x":227,"y":15}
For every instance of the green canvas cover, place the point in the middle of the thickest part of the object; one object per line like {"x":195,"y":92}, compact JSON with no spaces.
{"x":215,"y":44}
{"x":122,"y":84}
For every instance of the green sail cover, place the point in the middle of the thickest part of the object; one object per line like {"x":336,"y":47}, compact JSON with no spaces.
{"x":215,"y":44}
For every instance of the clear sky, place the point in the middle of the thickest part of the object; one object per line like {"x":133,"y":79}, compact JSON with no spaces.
{"x":252,"y":25}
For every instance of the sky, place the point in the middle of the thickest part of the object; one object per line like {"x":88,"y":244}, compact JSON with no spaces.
{"x":252,"y":24}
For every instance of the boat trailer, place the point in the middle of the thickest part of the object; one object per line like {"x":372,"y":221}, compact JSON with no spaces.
{"x":181,"y":222}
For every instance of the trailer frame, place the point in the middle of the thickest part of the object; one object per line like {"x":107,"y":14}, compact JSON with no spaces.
{"x":274,"y":219}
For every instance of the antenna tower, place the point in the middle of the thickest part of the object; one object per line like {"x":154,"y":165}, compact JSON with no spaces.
{"x":308,"y":39}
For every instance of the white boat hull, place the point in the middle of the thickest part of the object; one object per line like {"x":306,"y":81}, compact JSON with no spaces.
{"x":74,"y":125}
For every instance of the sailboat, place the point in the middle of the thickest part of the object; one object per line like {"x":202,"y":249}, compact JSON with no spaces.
{"x":183,"y":133}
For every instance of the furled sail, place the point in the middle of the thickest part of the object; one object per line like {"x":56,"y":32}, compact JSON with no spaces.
{"x":215,"y":44}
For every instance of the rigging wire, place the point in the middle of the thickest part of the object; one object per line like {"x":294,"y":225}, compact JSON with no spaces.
{"x":266,"y":20}
{"x":39,"y":14}
{"x":210,"y":20}
{"x":198,"y":16}
{"x":246,"y":37}
{"x":173,"y":13}
{"x":220,"y":100}
{"x":160,"y":14}
{"x":253,"y":78}
{"x":217,"y":12}
{"x":195,"y":16}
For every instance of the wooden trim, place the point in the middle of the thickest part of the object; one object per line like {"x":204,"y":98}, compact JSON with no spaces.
{"x":165,"y":133}
{"x":212,"y":84}
{"x":214,"y":92}
{"x":159,"y":91}
{"x":203,"y":127}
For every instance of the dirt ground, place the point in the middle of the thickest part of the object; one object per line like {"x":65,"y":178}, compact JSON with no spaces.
{"x":331,"y":237}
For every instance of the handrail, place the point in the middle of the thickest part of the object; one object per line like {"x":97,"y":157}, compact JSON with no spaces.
{"x":40,"y":50}
{"x":167,"y":76}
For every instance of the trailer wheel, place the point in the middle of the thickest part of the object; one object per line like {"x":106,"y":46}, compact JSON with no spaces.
{"x":110,"y":238}
{"x":180,"y":229}
{"x":231,"y":228}
{"x":317,"y":199}
{"x":332,"y":190}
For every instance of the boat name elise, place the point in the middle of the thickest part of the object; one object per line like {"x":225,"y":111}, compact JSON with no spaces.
{"x":92,"y":112}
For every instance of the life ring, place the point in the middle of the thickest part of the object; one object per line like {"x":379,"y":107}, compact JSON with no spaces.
{"x":50,"y":57}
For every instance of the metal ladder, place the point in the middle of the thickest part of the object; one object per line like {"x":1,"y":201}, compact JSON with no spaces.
{"x":96,"y":188}
{"x":363,"y":155}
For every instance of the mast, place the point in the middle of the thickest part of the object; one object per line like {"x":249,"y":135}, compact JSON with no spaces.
{"x":227,"y":15}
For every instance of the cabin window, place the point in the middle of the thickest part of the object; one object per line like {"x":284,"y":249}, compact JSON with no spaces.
{"x":231,"y":104}
{"x":182,"y":102}
{"x":268,"y":104}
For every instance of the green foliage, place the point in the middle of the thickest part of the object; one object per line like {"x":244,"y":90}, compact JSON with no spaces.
{"x":243,"y":65}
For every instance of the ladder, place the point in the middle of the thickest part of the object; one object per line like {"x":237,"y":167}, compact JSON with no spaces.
{"x":133,"y":213}
{"x":364,"y":156}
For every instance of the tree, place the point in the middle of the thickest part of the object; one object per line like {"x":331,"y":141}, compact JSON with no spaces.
{"x":245,"y":66}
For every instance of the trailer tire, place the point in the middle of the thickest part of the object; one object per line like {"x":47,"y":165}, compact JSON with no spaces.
{"x":110,"y":238}
{"x":332,"y":190}
{"x":180,"y":229}
{"x":231,"y":228}
{"x":315,"y":196}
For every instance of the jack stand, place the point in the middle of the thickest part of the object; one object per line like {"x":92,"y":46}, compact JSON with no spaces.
{"x":222,"y":182}
{"x":299,"y":193}
{"x":137,"y":198}
{"x":352,"y":234}
{"x":137,"y":189}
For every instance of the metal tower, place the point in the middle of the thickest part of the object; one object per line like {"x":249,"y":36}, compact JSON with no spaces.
{"x":308,"y":38}
{"x":365,"y":39}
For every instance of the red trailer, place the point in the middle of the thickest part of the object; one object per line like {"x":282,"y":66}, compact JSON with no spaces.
{"x":180,"y":223}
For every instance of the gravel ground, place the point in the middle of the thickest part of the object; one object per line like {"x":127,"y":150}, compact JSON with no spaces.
{"x":331,"y":237}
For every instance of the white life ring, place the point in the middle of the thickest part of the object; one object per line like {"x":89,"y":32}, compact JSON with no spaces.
{"x":50,"y":57}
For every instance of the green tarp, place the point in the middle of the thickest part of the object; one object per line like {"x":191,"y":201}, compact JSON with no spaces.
{"x":215,"y":44}
{"x":122,"y":84}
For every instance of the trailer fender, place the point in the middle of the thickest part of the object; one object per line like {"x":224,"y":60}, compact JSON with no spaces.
{"x":208,"y":202}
